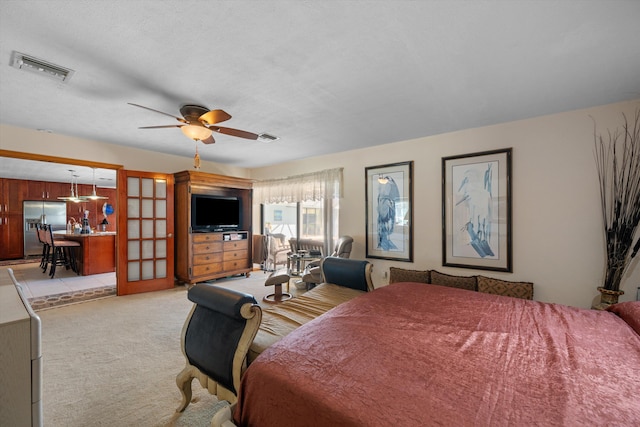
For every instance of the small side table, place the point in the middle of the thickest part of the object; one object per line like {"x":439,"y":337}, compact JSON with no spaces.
{"x":297,"y":262}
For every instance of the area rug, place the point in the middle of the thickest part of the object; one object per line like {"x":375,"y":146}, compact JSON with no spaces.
{"x":19,"y":261}
{"x":66,"y":298}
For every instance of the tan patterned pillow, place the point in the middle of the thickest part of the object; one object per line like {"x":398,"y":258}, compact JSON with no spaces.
{"x":403,"y":275}
{"x":461,"y":282}
{"x":502,"y":287}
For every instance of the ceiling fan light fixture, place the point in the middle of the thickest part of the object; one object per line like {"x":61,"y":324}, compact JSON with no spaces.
{"x":195,"y":132}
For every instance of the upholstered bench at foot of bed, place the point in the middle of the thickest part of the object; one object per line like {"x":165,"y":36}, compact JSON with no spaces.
{"x":215,"y":339}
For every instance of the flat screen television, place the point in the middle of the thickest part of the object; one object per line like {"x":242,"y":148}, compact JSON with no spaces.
{"x":215,"y":213}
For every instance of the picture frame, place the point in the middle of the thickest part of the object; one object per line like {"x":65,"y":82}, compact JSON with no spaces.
{"x":476,"y":210}
{"x":389,"y":211}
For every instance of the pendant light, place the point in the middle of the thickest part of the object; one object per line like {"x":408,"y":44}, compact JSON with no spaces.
{"x":73,"y":194}
{"x":93,"y":195}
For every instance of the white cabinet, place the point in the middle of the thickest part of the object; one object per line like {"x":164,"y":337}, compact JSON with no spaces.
{"x":20,"y":360}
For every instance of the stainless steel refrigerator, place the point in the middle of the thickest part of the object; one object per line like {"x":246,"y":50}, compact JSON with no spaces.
{"x":44,"y":212}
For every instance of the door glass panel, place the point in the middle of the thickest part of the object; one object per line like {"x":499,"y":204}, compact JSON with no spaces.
{"x":147,"y":249}
{"x":147,"y":229}
{"x":147,"y":208}
{"x":133,"y":250}
{"x":161,"y":268}
{"x":147,"y":270}
{"x":133,"y":272}
{"x":161,"y":208}
{"x":161,"y":189}
{"x":147,"y":187}
{"x":133,"y":187}
{"x":161,"y":249}
{"x":133,"y":208}
{"x":161,"y":228}
{"x":133,"y":229}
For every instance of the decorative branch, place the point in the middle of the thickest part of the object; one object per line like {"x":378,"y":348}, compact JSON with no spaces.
{"x":618,"y":162}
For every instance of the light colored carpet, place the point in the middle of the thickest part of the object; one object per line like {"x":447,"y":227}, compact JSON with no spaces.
{"x":113,"y":362}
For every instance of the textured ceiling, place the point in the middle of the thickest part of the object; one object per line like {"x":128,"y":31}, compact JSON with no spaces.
{"x":324,"y":76}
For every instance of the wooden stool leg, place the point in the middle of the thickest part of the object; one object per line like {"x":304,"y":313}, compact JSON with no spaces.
{"x":277,"y":291}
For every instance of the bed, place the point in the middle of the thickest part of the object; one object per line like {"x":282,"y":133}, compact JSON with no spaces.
{"x":281,"y":319}
{"x":413,"y":354}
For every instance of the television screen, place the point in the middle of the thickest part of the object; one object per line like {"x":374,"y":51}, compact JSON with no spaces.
{"x":214,"y":213}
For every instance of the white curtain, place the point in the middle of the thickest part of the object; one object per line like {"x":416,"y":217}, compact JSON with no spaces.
{"x":314,"y":186}
{"x":324,"y":185}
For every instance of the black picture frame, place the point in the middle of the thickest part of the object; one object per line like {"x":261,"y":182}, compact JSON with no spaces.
{"x":389,"y":211}
{"x":476,"y":211}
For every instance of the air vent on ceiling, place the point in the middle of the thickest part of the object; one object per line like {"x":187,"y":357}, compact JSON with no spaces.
{"x":265,"y":137}
{"x":39,"y":66}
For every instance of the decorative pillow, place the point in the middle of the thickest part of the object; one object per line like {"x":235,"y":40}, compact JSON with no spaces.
{"x":403,"y":275}
{"x":629,"y":312}
{"x":522,"y":290}
{"x":461,"y":282}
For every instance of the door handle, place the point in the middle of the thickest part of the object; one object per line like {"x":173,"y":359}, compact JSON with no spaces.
{"x":170,"y":235}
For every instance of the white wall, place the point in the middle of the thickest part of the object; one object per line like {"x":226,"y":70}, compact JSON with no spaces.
{"x":557,"y":223}
{"x":31,"y":141}
{"x":557,"y":226}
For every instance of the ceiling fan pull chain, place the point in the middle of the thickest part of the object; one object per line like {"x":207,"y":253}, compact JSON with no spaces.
{"x":196,"y":158}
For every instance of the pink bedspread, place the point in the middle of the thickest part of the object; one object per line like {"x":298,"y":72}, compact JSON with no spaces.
{"x":415,"y":355}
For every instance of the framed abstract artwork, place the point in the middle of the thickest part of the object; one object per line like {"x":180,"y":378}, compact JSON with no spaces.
{"x":476,"y":210}
{"x":389,"y":205}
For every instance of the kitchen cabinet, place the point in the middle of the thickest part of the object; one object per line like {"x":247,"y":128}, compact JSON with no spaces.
{"x":12,"y":193}
{"x":43,"y":190}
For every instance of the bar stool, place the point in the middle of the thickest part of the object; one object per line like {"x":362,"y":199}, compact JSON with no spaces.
{"x":63,"y":252}
{"x":41,"y":232}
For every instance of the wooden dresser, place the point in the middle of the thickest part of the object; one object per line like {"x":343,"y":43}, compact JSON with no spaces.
{"x":204,"y":256}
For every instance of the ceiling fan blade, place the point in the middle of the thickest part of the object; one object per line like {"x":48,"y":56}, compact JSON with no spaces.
{"x":214,"y":116}
{"x":209,"y":140}
{"x":180,"y":119}
{"x":234,"y":132}
{"x":160,"y":127}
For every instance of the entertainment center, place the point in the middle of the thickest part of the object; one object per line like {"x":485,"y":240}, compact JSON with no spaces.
{"x":213,"y":226}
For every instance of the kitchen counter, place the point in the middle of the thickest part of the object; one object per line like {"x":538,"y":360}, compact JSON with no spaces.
{"x":65,"y":234}
{"x":98,"y":251}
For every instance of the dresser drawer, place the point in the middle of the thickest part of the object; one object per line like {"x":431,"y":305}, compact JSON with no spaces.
{"x":235,"y":245}
{"x":235,"y":264}
{"x":232,"y":255}
{"x":205,"y":248}
{"x":207,"y":258}
{"x":206,"y":237}
{"x":201,"y":270}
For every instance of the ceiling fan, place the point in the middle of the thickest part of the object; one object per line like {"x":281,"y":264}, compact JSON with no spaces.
{"x":199,"y":122}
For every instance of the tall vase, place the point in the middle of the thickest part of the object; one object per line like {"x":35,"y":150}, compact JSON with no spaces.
{"x":607,"y":298}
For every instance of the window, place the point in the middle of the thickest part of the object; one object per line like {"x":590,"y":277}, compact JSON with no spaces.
{"x":304,"y":220}
{"x":301,"y":206}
